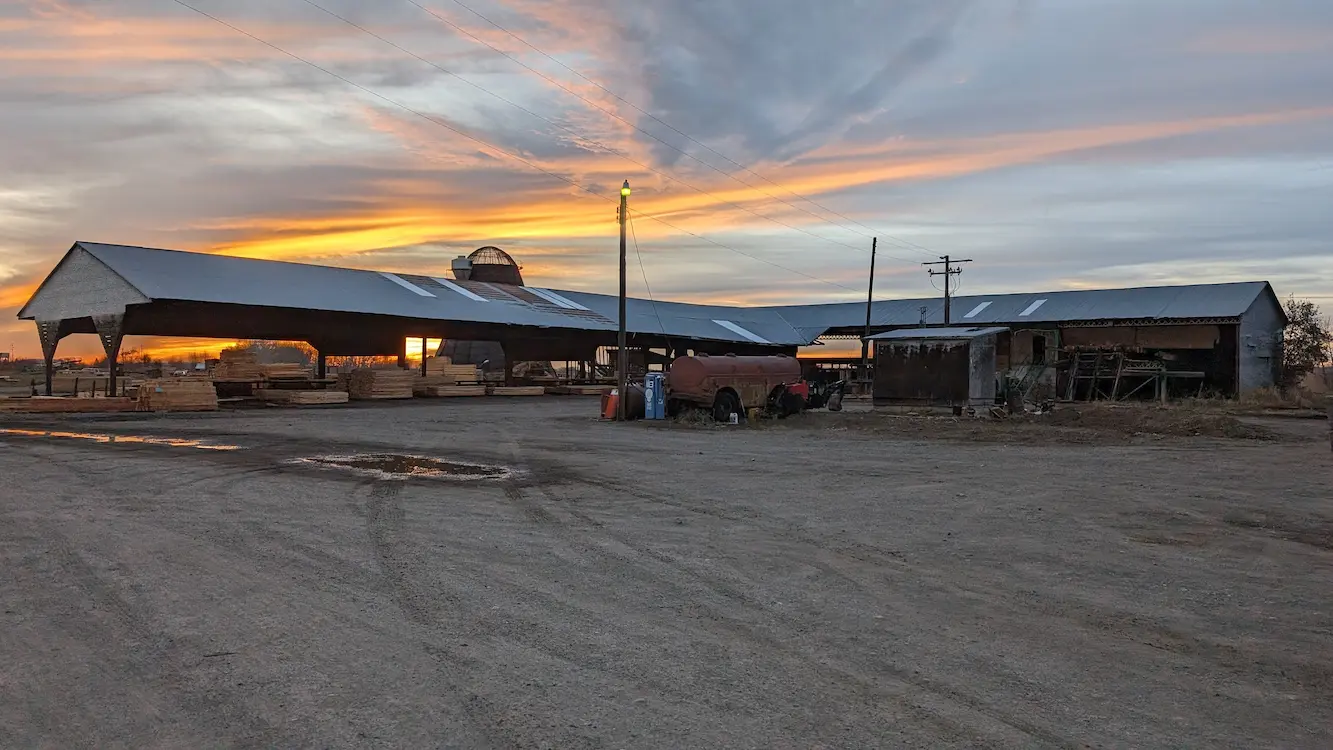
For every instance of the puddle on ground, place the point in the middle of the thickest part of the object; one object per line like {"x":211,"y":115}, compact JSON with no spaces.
{"x":394,"y":466}
{"x":106,"y":439}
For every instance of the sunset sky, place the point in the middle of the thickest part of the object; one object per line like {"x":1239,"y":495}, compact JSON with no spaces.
{"x":1059,"y":143}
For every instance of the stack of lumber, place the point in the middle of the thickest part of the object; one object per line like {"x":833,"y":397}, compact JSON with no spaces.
{"x":238,"y":364}
{"x":284,"y":371}
{"x":178,"y":394}
{"x":302,"y":398}
{"x":447,"y":374}
{"x":448,"y":391}
{"x":521,"y":390}
{"x":373,"y":385}
{"x":59,"y":405}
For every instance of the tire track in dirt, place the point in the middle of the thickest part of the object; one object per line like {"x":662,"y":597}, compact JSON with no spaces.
{"x":155,"y":659}
{"x":903,"y":675}
{"x":945,"y":718}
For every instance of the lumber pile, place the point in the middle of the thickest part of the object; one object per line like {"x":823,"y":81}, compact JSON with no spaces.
{"x":448,"y":391}
{"x":302,"y":398}
{"x":444,"y":373}
{"x":284,"y":371}
{"x":178,"y":394}
{"x":62,"y":405}
{"x":374,"y":385}
{"x":519,"y":390}
{"x":238,"y":364}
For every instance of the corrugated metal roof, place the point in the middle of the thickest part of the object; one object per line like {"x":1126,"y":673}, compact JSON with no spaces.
{"x":1143,"y":303}
{"x":176,"y":275}
{"x":937,"y":333}
{"x":198,"y":277}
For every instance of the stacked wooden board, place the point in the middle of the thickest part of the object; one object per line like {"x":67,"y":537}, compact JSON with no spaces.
{"x":522,"y":390}
{"x":375,"y":385}
{"x":238,"y":364}
{"x":61,"y":405}
{"x":284,"y":371}
{"x":448,"y":391}
{"x":302,"y":398}
{"x":178,"y":394}
{"x":439,"y":371}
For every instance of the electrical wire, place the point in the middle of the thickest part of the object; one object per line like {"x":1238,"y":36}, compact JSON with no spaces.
{"x":644,"y":271}
{"x":480,"y":142}
{"x":906,"y":244}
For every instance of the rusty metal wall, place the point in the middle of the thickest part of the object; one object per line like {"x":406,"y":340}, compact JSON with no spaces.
{"x":1144,"y":337}
{"x":936,"y":373}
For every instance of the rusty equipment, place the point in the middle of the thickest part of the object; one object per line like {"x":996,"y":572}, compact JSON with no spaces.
{"x":732,"y":385}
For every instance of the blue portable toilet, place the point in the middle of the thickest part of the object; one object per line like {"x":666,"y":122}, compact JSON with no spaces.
{"x":654,"y":402}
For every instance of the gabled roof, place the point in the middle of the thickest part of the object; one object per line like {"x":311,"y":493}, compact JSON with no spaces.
{"x":198,"y":277}
{"x":147,"y":274}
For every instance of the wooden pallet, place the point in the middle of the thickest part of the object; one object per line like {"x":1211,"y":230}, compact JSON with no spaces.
{"x":449,"y":391}
{"x":302,"y":398}
{"x":520,"y":390}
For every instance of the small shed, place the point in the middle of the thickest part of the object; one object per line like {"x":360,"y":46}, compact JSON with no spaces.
{"x":935,"y":366}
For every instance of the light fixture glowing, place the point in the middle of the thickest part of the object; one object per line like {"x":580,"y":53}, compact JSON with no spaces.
{"x":625,"y":190}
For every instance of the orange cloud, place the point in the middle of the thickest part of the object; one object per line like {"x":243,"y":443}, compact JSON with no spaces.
{"x":405,"y":214}
{"x":15,"y":296}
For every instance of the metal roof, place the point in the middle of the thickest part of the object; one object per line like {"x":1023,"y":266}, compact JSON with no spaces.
{"x":1143,"y":303}
{"x":920,"y":334}
{"x":199,"y":277}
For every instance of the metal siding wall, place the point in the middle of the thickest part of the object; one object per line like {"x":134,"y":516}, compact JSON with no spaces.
{"x":1260,"y":350}
{"x":83,"y":287}
{"x":981,"y":389}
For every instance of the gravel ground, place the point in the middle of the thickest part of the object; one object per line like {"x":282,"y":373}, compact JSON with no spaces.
{"x":640,"y":587}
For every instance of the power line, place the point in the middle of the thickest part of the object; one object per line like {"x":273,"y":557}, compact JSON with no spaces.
{"x":658,"y":313}
{"x":901,"y":242}
{"x":480,"y":142}
{"x":571,"y":131}
{"x":948,"y":273}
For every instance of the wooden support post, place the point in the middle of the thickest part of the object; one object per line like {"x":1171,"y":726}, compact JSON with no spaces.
{"x":402,"y":355}
{"x":321,"y":365}
{"x":424,"y":373}
{"x":49,"y":333}
{"x":110,"y":329}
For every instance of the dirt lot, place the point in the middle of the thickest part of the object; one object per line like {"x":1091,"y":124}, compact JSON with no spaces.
{"x":842,"y":581}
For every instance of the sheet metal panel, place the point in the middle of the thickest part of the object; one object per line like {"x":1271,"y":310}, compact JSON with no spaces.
{"x":1146,"y":303}
{"x":167,"y":274}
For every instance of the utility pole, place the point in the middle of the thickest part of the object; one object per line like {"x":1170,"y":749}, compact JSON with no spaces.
{"x":622,"y":354}
{"x":870,"y":298}
{"x":948,"y":273}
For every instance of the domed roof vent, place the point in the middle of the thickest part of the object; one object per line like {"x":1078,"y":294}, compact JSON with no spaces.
{"x":495,"y":266}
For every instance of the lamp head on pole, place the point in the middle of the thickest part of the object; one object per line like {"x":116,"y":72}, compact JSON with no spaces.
{"x":624,"y":191}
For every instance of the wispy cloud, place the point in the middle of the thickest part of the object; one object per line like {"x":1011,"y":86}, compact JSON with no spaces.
{"x":1061,"y":146}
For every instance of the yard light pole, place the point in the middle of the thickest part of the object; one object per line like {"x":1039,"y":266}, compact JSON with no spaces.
{"x":622,"y":355}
